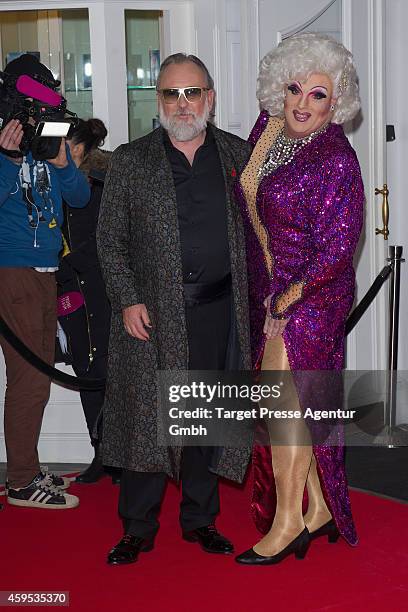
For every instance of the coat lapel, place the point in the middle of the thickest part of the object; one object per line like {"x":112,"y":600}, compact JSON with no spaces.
{"x":227,"y":161}
{"x":162,"y":201}
{"x":166,"y":275}
{"x":231,"y":168}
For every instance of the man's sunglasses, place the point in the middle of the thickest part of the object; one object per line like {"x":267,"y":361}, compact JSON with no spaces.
{"x":191,"y":94}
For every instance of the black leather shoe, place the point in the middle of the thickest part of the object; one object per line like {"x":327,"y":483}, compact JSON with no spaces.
{"x":329,"y":529}
{"x":128,"y":549}
{"x":93,"y":472}
{"x":298,"y":546}
{"x":209,"y":539}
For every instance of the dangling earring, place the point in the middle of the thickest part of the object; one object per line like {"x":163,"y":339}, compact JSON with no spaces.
{"x":332,"y":107}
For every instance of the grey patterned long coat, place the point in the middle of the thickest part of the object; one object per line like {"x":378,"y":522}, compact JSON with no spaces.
{"x":140,"y":254}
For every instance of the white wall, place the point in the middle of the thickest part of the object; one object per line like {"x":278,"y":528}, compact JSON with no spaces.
{"x":397,"y":151}
{"x":217,"y":26}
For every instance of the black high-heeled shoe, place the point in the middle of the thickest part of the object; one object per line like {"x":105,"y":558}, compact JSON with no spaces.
{"x":298,"y":546}
{"x":329,"y":529}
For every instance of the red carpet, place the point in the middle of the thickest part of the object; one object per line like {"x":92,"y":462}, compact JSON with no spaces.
{"x":46,"y":550}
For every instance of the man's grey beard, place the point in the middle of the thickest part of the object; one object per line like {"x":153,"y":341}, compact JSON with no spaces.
{"x":182,"y":131}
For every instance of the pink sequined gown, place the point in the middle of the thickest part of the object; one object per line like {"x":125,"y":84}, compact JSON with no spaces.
{"x":312,"y":210}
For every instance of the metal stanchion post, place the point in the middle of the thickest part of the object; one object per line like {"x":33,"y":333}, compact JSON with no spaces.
{"x":392,"y":435}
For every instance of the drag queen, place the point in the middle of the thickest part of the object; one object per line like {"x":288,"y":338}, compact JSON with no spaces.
{"x":302,"y":197}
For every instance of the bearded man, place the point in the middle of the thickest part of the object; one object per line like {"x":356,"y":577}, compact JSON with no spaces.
{"x":171,"y":246}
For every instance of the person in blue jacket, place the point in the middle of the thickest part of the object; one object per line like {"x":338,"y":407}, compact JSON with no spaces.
{"x":31,"y":193}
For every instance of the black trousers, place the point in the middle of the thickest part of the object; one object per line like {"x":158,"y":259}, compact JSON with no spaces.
{"x":141,"y":493}
{"x":76,"y":327}
{"x":92,"y":401}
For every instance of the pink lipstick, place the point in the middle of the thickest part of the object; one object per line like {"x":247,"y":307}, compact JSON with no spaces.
{"x":302,"y":117}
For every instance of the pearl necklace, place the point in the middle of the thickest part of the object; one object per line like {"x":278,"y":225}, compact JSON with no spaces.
{"x":284,"y":150}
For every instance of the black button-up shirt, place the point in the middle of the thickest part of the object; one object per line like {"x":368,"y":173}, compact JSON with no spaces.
{"x":202,"y":213}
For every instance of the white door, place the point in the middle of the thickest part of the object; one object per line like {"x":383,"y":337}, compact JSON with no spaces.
{"x":360,"y":26}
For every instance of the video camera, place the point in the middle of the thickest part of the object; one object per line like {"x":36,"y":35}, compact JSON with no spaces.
{"x":23,"y":97}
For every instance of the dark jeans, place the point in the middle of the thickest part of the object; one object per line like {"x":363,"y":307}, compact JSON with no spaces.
{"x":28,"y":306}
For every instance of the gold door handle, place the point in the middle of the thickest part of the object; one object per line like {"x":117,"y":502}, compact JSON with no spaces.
{"x":385,"y":209}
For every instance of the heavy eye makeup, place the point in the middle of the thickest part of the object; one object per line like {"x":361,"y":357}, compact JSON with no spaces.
{"x":294,"y":89}
{"x":318,"y":94}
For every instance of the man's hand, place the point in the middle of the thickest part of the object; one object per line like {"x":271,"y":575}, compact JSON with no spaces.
{"x":135,"y":320}
{"x":272,"y":327}
{"x":61,"y":161}
{"x":10,"y":138}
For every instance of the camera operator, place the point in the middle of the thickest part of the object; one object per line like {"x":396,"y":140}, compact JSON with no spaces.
{"x":31,"y":192}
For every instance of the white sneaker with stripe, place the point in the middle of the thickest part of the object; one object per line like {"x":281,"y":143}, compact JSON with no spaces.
{"x":40,"y":494}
